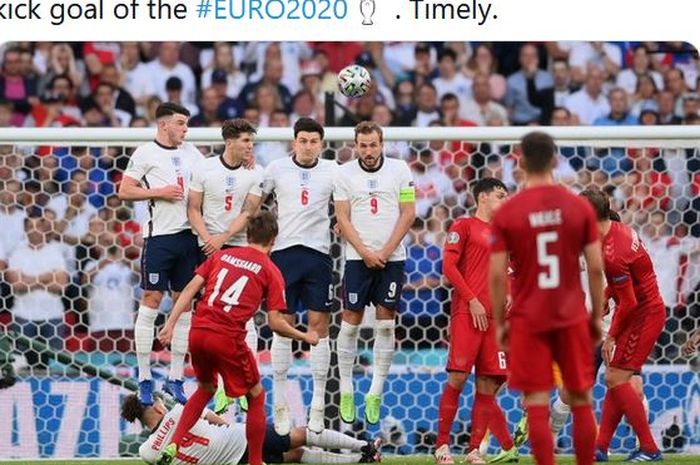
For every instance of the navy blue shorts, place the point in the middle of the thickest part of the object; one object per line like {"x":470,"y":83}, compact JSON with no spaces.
{"x":168,"y":262}
{"x":274,"y":447}
{"x":308,"y":277}
{"x":363,"y":286}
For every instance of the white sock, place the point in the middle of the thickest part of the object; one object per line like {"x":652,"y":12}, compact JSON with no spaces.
{"x":329,"y":439}
{"x":321,"y":456}
{"x":347,"y":351}
{"x":281,"y":359}
{"x":320,"y":359}
{"x":383,"y":354}
{"x":560,"y":414}
{"x":251,"y":336}
{"x":178,"y":346}
{"x":143,"y":339}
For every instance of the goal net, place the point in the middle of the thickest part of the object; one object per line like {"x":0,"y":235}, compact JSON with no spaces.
{"x":57,"y":409}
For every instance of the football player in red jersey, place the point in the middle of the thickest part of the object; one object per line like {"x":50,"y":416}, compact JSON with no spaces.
{"x":472,"y":335}
{"x":543,"y":230}
{"x":235,"y":282}
{"x":638,"y":320}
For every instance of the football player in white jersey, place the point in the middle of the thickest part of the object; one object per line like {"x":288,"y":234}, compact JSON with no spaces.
{"x":212,"y":441}
{"x":375,"y":207}
{"x":224,"y":193}
{"x":159,"y":172}
{"x":303,"y":187}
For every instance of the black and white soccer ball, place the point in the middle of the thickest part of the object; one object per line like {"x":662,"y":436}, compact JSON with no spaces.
{"x":354,"y":81}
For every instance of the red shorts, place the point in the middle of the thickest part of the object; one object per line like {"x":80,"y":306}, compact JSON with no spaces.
{"x":213,"y":354}
{"x":531,"y":355}
{"x":634,"y":344}
{"x":470,"y":348}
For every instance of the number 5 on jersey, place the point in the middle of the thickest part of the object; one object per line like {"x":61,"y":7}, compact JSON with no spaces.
{"x":231,"y":295}
{"x":548,"y":279}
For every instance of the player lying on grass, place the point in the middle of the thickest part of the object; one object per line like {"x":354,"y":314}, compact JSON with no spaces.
{"x":212,"y":441}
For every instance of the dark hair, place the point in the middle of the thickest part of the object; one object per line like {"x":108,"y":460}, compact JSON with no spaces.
{"x":486,"y":186}
{"x":538,"y":150}
{"x":132,"y":408}
{"x":600,"y":202}
{"x":308,"y":125}
{"x":448,"y":96}
{"x":59,"y":77}
{"x":262,"y":228}
{"x":368,"y":127}
{"x":447,"y":53}
{"x":233,"y":128}
{"x":171,"y":108}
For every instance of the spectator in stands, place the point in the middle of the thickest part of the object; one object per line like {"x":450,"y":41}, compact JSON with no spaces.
{"x":6,"y":112}
{"x":267,"y":100}
{"x":674,"y":82}
{"x":273,"y":71}
{"x":267,"y":151}
{"x":589,"y":103}
{"x":482,"y":107}
{"x":667,"y":108}
{"x":550,"y":97}
{"x":52,"y":110}
{"x":522,"y":111}
{"x":433,"y":186}
{"x":641,"y":66}
{"x":619,"y":110}
{"x":226,"y":66}
{"x":111,"y":302}
{"x":649,"y":118}
{"x":11,"y":216}
{"x":384,"y":117}
{"x":482,"y":61}
{"x":208,"y":114}
{"x":37,"y":274}
{"x":73,"y":213}
{"x":122,"y":98}
{"x":136,"y":78}
{"x":426,"y":106}
{"x":229,"y":107}
{"x":404,"y":98}
{"x":691,"y":104}
{"x":15,"y":87}
{"x":62,"y":62}
{"x":174,"y":93}
{"x":304,"y":105}
{"x":644,"y":97}
{"x":105,"y":98}
{"x":451,"y":80}
{"x":97,"y":55}
{"x":168,"y":65}
{"x":604,"y":56}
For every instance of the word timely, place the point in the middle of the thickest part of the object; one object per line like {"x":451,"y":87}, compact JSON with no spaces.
{"x":475,"y":10}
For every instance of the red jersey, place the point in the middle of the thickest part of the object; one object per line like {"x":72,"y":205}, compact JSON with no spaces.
{"x":466,"y":263}
{"x":545,"y":229}
{"x":237,"y":280}
{"x":630,"y":275}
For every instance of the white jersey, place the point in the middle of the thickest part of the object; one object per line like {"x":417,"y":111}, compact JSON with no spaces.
{"x":111,"y":297}
{"x":208,"y":445}
{"x":303,"y":196}
{"x":375,"y":199}
{"x":155,"y":165}
{"x":224,"y":189}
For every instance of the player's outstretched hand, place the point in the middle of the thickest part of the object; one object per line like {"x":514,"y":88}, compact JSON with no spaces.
{"x":479,"y":319}
{"x":166,"y":335}
{"x":608,"y":349}
{"x":171,"y":193}
{"x":214,"y":243}
{"x":311,"y":337}
{"x":691,"y":345}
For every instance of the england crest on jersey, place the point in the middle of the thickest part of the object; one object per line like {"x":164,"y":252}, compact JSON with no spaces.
{"x":352,"y":297}
{"x":304,"y":177}
{"x":176,"y":162}
{"x":153,"y":278}
{"x":372,"y":184}
{"x":230,"y":183}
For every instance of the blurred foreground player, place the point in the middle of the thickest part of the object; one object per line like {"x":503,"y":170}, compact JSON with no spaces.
{"x":235,"y":281}
{"x":472,"y":334}
{"x":212,"y":441}
{"x":543,"y":230}
{"x":636,"y":325}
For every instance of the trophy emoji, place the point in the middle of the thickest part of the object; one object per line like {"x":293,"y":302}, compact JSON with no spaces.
{"x":367,"y":8}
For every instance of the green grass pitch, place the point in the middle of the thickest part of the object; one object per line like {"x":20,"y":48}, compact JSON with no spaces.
{"x":669,"y":459}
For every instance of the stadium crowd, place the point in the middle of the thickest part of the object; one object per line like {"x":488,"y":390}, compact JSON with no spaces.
{"x":88,"y":242}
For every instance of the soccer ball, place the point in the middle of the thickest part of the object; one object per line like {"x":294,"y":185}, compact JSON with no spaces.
{"x":354,"y":81}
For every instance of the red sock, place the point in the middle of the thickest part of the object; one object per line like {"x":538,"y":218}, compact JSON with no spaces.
{"x":540,"y":433}
{"x":633,"y":408}
{"x":584,"y":434}
{"x":481,"y":411}
{"x":449,"y":401}
{"x":612,"y":414}
{"x":190,"y":414}
{"x":498,"y":425}
{"x":255,"y":428}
